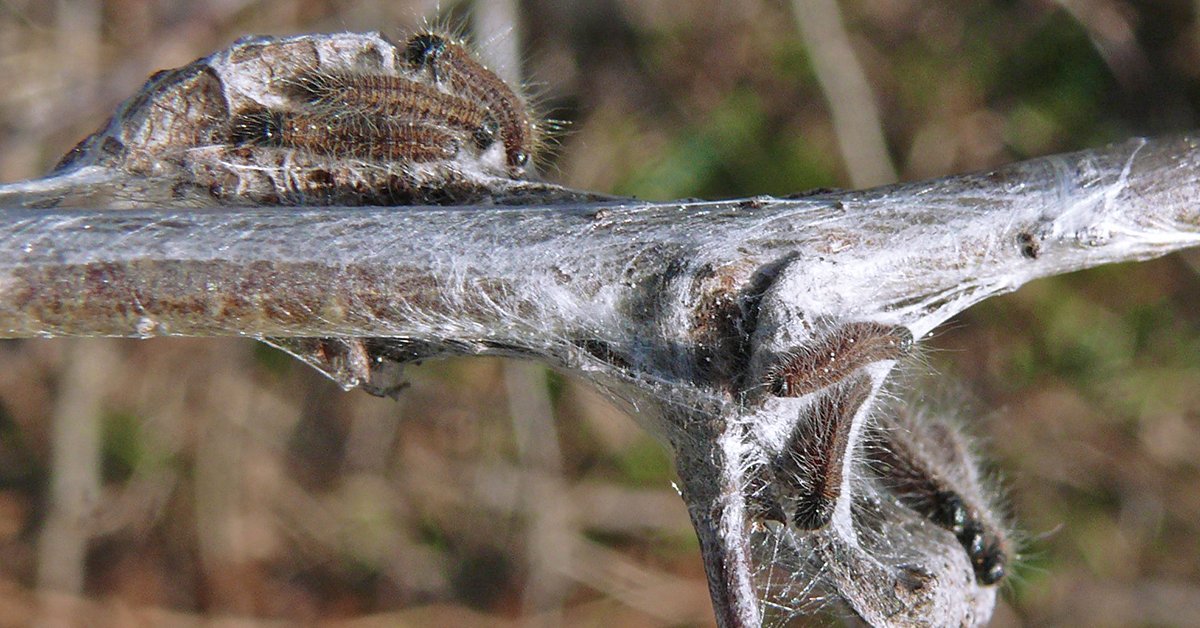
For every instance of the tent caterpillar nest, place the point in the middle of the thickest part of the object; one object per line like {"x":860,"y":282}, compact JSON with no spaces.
{"x":344,"y":119}
{"x":360,"y":120}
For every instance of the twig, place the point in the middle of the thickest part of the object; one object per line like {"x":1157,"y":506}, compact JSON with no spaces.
{"x":75,"y":488}
{"x":849,"y":96}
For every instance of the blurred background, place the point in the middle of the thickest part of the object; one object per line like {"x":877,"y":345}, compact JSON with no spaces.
{"x":195,"y":481}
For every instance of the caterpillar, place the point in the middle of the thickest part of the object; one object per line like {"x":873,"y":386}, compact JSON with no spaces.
{"x":836,"y":356}
{"x":808,"y":470}
{"x":925,"y":462}
{"x":394,"y":99}
{"x":450,"y":63}
{"x":355,"y":136}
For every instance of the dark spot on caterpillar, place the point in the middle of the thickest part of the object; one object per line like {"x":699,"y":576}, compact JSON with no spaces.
{"x":949,"y":511}
{"x":986,"y":551}
{"x":486,"y":132}
{"x":1030,"y":247}
{"x":809,"y":468}
{"x":450,"y":63}
{"x":257,"y":127}
{"x":836,"y":356}
{"x":423,"y":51}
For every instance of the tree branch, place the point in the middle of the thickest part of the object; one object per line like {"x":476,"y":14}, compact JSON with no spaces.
{"x":536,"y":276}
{"x":678,"y":308}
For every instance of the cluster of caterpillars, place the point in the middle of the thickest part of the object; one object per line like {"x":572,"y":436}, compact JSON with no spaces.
{"x":441,"y":103}
{"x":925,"y":464}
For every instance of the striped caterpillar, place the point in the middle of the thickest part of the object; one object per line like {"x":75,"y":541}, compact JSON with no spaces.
{"x":923,"y":461}
{"x":440,"y":102}
{"x":385,"y":97}
{"x":449,"y":63}
{"x":352,"y":136}
{"x":837,"y":356}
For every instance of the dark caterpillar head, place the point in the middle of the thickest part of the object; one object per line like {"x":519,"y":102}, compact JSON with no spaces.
{"x":257,"y":127}
{"x":485,"y":135}
{"x":423,"y":51}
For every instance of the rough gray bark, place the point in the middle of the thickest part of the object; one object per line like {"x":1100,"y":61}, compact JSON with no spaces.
{"x":682,"y":310}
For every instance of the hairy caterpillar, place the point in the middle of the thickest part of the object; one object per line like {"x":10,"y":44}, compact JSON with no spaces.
{"x":809,"y":468}
{"x":925,"y":462}
{"x":393,"y":99}
{"x":343,"y":135}
{"x":450,"y":63}
{"x":836,"y":357}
